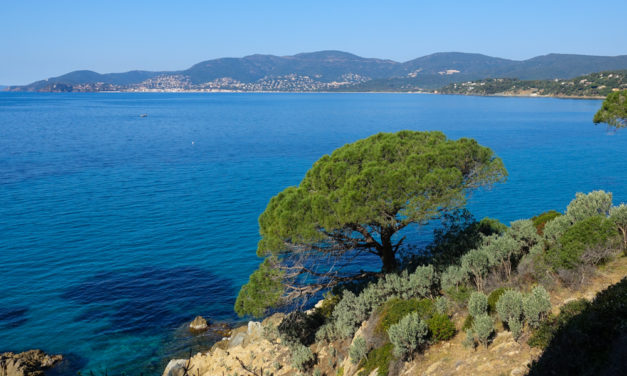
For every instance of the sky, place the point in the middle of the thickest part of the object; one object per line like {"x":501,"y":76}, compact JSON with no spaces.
{"x":47,"y":38}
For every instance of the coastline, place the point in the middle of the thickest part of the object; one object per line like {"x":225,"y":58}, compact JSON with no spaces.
{"x":501,"y":95}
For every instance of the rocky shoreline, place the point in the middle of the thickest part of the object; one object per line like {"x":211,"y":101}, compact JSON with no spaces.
{"x":27,"y":363}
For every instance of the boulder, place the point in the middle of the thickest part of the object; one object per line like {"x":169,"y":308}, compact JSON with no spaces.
{"x":28,"y":363}
{"x":199,"y":324}
{"x":175,"y":367}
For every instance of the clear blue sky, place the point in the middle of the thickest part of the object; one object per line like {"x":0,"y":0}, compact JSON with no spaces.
{"x":41,"y":39}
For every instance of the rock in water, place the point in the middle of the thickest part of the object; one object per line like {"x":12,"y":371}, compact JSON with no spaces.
{"x":176,"y":367}
{"x":28,"y":363}
{"x":198,"y":324}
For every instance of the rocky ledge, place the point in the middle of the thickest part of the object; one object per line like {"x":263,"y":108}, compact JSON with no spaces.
{"x":28,"y":363}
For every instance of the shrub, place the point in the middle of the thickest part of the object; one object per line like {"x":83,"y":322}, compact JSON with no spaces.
{"x":441,"y":304}
{"x":493,"y":298}
{"x":477,"y":263}
{"x":358,"y":350}
{"x":595,"y":203}
{"x":460,"y":295}
{"x":299,"y":327}
{"x":547,"y":329}
{"x":395,"y":309}
{"x":590,"y":232}
{"x":477,"y":304}
{"x":618,"y":215}
{"x":509,"y":306}
{"x":469,"y":340}
{"x":502,"y":250}
{"x":540,"y":220}
{"x":423,"y":282}
{"x":347,"y":314}
{"x":302,"y":357}
{"x":555,"y":228}
{"x":453,"y":277}
{"x":468,"y":321}
{"x":378,"y":359}
{"x":483,"y":326}
{"x":328,"y":305}
{"x":525,"y":233}
{"x":536,"y":305}
{"x":515,"y":326}
{"x":441,"y":327}
{"x":408,"y":335}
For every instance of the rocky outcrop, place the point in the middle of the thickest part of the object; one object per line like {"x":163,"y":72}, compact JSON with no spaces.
{"x":199,"y":324}
{"x":28,"y":363}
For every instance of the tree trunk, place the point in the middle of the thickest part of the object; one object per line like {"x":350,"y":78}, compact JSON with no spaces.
{"x":387,"y":254}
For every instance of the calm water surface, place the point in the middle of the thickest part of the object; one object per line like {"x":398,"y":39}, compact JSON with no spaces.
{"x":116,"y":230}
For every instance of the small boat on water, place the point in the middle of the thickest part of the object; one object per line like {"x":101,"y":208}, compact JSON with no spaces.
{"x":143,"y":115}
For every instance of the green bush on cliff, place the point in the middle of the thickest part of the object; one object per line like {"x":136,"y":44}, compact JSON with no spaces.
{"x":540,"y":220}
{"x":378,"y":359}
{"x":510,"y":306}
{"x":441,"y":327}
{"x":358,"y":350}
{"x":536,"y":305}
{"x":395,"y":309}
{"x":483,"y":327}
{"x":477,"y":304}
{"x":494,"y":297}
{"x":408,"y":335}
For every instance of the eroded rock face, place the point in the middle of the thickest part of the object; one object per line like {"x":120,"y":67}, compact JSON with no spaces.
{"x":28,"y":363}
{"x":199,"y":324}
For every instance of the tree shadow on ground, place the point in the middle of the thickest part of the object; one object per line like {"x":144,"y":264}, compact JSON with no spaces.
{"x":594,"y":342}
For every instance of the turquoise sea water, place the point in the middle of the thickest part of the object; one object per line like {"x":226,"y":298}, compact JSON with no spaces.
{"x":116,"y":230}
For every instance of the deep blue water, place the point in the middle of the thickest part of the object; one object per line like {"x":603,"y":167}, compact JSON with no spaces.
{"x":116,"y":230}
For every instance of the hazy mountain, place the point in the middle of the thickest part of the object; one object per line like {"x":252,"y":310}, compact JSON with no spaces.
{"x":331,"y":70}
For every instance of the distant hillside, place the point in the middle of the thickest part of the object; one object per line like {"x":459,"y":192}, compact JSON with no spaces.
{"x":590,"y":85}
{"x":331,"y":70}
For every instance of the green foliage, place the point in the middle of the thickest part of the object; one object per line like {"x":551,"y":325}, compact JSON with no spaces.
{"x":587,"y":233}
{"x":459,"y":295}
{"x":540,"y":220}
{"x":555,"y":228}
{"x":328,"y":305}
{"x":477,"y":263}
{"x":613,"y":111}
{"x":408,"y":335}
{"x":357,"y":198}
{"x":442,"y":304}
{"x":441,"y":327}
{"x":591,"y":342}
{"x":302,"y":357}
{"x":299,"y":327}
{"x":358,"y":350}
{"x":494,"y":297}
{"x":536,"y":306}
{"x":510,"y":306}
{"x":348,"y":313}
{"x":468,"y":321}
{"x":595,"y":203}
{"x":469,"y":340}
{"x":395,"y":309}
{"x":516,"y":327}
{"x":491,"y":226}
{"x":379,"y":359}
{"x":477,"y":304}
{"x":618,"y":215}
{"x":525,"y":233}
{"x":591,"y":85}
{"x":483,"y":327}
{"x":453,"y":277}
{"x":263,"y":291}
{"x":542,"y":336}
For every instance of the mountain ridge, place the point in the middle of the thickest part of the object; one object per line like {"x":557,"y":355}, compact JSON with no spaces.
{"x":329,"y":70}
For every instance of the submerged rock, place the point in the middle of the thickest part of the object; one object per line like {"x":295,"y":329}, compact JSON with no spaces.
{"x":198,"y":324}
{"x":28,"y":363}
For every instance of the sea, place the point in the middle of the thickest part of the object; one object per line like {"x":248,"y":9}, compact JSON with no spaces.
{"x":125,"y":215}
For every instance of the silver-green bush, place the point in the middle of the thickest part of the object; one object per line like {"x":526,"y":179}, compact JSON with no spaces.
{"x":536,"y":305}
{"x":477,"y":304}
{"x":358,"y":350}
{"x":408,"y":335}
{"x":483,"y":326}
{"x":453,"y":277}
{"x":442,"y":304}
{"x":510,"y":306}
{"x":589,"y":205}
{"x":302,"y":357}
